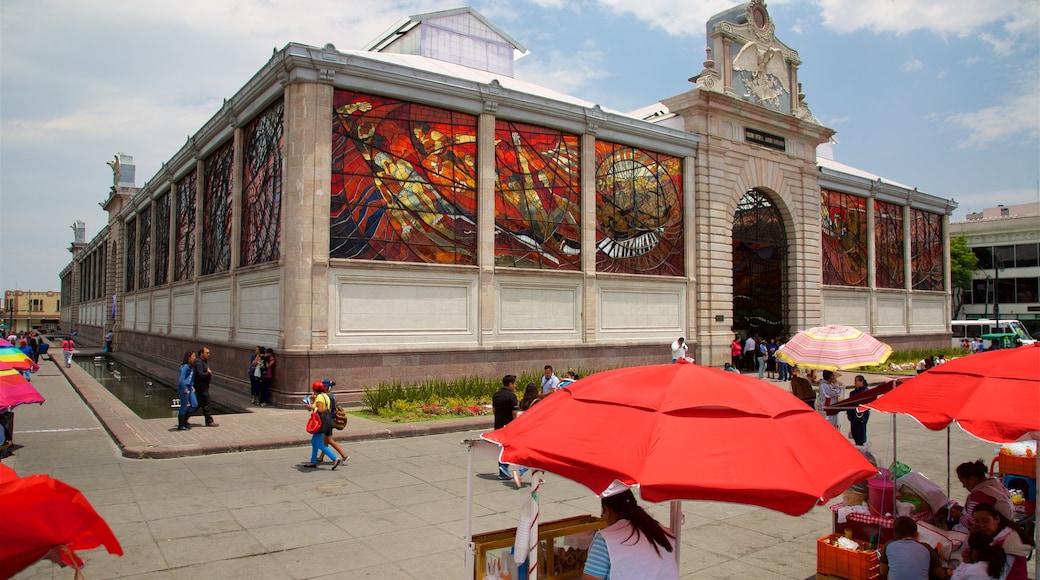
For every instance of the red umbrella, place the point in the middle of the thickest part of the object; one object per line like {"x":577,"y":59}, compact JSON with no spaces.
{"x":684,"y":431}
{"x":44,"y":517}
{"x":15,"y":390}
{"x":833,"y":347}
{"x":993,"y":395}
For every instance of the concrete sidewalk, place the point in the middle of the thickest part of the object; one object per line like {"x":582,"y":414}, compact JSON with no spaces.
{"x":396,"y":510}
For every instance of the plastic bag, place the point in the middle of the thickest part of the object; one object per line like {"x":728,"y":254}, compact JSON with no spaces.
{"x":899,"y":469}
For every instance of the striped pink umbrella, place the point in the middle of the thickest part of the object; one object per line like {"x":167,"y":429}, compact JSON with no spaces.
{"x":834,"y":347}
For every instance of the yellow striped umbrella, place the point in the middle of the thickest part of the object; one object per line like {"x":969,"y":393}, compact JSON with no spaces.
{"x":834,"y":347}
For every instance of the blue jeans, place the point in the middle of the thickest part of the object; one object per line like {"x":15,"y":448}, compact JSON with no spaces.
{"x":783,"y":370}
{"x":318,"y":444}
{"x":761,"y":366}
{"x":188,"y":403}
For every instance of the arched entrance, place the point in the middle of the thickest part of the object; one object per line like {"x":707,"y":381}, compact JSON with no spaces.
{"x":759,"y":267}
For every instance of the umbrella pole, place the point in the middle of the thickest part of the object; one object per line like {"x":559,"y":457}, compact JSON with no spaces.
{"x":470,"y":556}
{"x":947,"y":461}
{"x":1036,"y":510}
{"x":675,"y":520}
{"x":895,"y":464}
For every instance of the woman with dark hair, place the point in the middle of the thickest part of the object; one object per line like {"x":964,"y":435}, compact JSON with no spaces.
{"x":531,"y":393}
{"x":974,"y":476}
{"x":631,"y":544}
{"x":983,"y":560}
{"x":858,"y":419}
{"x":266,"y":378}
{"x":186,"y":390}
{"x":1017,"y":544}
{"x":256,"y":372}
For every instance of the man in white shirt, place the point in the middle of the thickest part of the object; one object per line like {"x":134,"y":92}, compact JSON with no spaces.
{"x":679,"y":349}
{"x":549,"y":381}
{"x":749,"y":353}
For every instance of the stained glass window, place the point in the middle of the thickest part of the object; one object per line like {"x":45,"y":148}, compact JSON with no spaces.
{"x":759,"y":266}
{"x":131,"y":253}
{"x":926,"y":250}
{"x":537,"y":197}
{"x":262,"y":190}
{"x":216,"y":210}
{"x":162,"y":239}
{"x":403,"y":181}
{"x":888,"y":245}
{"x":144,"y":248}
{"x":639,"y":211}
{"x":185,"y":247}
{"x":843,"y":220}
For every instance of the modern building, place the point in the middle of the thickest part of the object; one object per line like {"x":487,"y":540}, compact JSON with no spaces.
{"x":412,"y":210}
{"x":25,"y":310}
{"x":1006,"y":240}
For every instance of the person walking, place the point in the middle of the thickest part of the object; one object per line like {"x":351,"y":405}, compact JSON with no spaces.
{"x":735,"y":350}
{"x":321,"y":404}
{"x":203,"y":376}
{"x":858,"y":420}
{"x":633,"y":545}
{"x":505,"y":407}
{"x":186,"y":390}
{"x":327,"y":439}
{"x":67,"y":347}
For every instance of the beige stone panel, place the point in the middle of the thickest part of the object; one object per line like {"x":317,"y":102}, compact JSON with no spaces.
{"x":891,"y":313}
{"x":129,"y":312}
{"x":182,"y":322}
{"x":641,"y":309}
{"x":928,"y":313}
{"x":538,"y":309}
{"x":848,"y":307}
{"x":214,"y":320}
{"x":142,"y":318}
{"x":161,"y":312}
{"x":379,"y":309}
{"x":258,"y":309}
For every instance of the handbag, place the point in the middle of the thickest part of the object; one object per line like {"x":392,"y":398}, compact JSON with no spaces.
{"x":314,"y":424}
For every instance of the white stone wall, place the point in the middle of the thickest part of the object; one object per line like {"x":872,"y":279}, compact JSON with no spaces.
{"x":129,"y":312}
{"x":847,"y":306}
{"x":259,"y":308}
{"x":143,"y":315}
{"x":182,"y":318}
{"x":161,"y":312}
{"x":215,"y":310}
{"x":891,"y":313}
{"x":638,"y":309}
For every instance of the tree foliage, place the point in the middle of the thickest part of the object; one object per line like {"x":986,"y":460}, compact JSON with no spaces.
{"x":963,"y":263}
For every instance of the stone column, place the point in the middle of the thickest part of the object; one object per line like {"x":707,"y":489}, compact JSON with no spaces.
{"x":908,"y":269}
{"x":307,"y":183}
{"x":486,"y":223}
{"x":237,"y":177}
{"x":872,"y":265}
{"x":590,"y":290}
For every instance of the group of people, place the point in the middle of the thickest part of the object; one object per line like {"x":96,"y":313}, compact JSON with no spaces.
{"x":997,"y":547}
{"x":193,"y":387}
{"x":261,"y":374}
{"x":756,"y":354}
{"x":506,"y":406}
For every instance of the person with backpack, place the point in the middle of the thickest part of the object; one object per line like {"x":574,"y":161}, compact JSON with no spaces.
{"x":321,"y":404}
{"x":335,"y":410}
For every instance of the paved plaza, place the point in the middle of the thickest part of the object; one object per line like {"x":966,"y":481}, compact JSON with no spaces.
{"x":234,"y":502}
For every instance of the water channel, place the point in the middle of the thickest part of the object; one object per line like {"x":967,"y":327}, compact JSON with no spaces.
{"x":144,"y":395}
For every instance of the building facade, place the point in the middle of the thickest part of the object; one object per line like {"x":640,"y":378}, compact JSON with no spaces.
{"x":25,"y":310}
{"x":412,"y":210}
{"x":1006,"y":240}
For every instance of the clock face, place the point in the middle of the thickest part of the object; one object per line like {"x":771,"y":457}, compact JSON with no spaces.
{"x":760,"y":17}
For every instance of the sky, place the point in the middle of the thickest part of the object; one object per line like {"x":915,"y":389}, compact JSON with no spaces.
{"x":941,"y":95}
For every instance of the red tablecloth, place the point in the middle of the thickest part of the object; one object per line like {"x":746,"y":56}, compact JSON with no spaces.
{"x":865,"y":518}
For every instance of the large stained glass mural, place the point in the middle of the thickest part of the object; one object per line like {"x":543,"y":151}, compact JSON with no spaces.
{"x":843,"y":219}
{"x":537,"y":197}
{"x":759,"y":267}
{"x":184,"y":250}
{"x":216,"y":210}
{"x":403,"y":181}
{"x":144,"y":248}
{"x":926,"y":250}
{"x":162,"y":239}
{"x":131,"y":253}
{"x":262,"y":188}
{"x":888,"y":245}
{"x":639,"y":211}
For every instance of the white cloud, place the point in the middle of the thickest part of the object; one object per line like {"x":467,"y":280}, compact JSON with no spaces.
{"x":567,"y":73}
{"x":1002,"y":46}
{"x":958,"y":17}
{"x":912,"y":64}
{"x":1016,"y":118}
